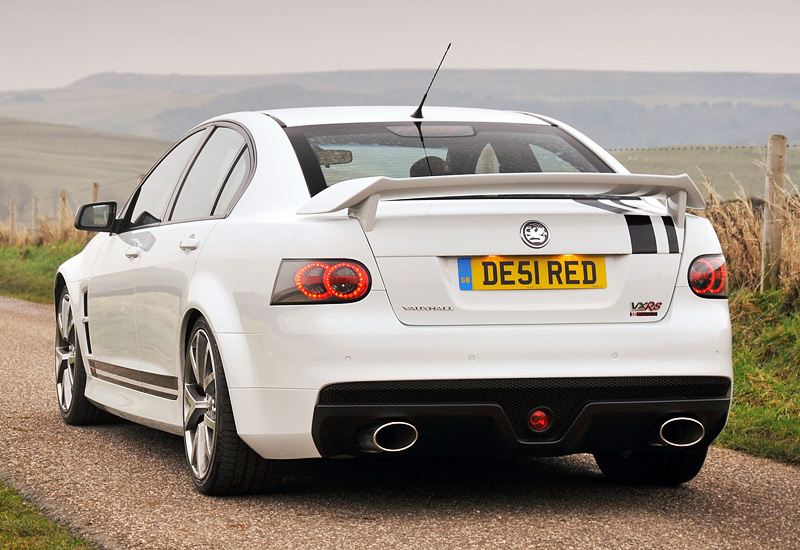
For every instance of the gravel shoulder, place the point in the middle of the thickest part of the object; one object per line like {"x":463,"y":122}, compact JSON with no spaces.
{"x":124,"y":486}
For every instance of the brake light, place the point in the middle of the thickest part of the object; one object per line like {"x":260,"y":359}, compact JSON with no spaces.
{"x":708,"y":276}
{"x":320,"y":281}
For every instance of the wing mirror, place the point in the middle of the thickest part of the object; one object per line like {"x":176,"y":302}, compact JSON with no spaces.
{"x":97,"y":216}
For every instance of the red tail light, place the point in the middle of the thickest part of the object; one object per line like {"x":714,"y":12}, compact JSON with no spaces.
{"x":708,"y":276}
{"x":320,"y":281}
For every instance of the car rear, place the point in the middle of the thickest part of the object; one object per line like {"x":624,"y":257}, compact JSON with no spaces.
{"x":506,"y":308}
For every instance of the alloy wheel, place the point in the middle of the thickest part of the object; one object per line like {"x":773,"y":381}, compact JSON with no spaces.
{"x":65,"y":354}
{"x":200,"y":404}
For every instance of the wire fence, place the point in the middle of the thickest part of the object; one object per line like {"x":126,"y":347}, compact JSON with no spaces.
{"x":36,"y":220}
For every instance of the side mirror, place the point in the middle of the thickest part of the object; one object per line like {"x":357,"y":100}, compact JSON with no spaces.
{"x":98,"y":216}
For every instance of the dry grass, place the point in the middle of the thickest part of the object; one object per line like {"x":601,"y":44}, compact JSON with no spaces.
{"x":47,"y":231}
{"x":739,"y":225}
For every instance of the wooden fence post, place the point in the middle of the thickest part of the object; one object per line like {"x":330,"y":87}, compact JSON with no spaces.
{"x":95,"y":192}
{"x":774,"y":201}
{"x":36,"y":228}
{"x":12,"y":229}
{"x":63,"y":221}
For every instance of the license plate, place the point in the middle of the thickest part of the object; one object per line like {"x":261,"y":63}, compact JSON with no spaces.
{"x":532,"y":272}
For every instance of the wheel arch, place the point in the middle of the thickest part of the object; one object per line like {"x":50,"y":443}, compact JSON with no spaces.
{"x":58,"y":286}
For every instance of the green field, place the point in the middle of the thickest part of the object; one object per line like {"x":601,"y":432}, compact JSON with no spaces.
{"x":729,"y":169}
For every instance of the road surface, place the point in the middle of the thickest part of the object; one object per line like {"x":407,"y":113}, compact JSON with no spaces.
{"x":125,"y":486}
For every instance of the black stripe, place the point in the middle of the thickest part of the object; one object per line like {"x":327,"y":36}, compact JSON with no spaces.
{"x":170,"y":396}
{"x":160,"y":380}
{"x":643,"y":236}
{"x":594,"y":203}
{"x":134,"y":379}
{"x":116,"y":370}
{"x":130,"y":385}
{"x":672,"y":235}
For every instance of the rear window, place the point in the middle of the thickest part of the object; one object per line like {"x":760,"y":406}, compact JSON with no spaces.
{"x":334,"y":153}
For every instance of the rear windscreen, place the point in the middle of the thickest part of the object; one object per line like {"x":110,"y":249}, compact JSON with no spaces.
{"x":334,"y":153}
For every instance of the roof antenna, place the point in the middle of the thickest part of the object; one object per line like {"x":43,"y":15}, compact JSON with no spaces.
{"x":418,"y":112}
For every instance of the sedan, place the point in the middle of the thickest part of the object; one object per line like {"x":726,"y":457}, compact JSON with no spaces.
{"x":373,"y":281}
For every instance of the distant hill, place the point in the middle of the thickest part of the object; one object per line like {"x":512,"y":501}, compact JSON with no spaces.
{"x":617,"y":109}
{"x":42,"y":159}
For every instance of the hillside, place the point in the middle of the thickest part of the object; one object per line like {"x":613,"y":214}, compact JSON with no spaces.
{"x":730,"y":170}
{"x":617,"y":109}
{"x":41,"y":159}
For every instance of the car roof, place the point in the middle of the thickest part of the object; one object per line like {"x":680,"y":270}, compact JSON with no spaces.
{"x":341,"y":115}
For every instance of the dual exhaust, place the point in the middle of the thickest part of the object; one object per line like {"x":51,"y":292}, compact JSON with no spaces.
{"x":391,"y":437}
{"x":397,"y":436}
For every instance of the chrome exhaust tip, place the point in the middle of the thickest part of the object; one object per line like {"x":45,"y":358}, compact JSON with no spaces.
{"x":391,"y":437}
{"x":681,"y":432}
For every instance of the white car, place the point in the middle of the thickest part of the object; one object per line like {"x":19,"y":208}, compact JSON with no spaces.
{"x":338,"y":282}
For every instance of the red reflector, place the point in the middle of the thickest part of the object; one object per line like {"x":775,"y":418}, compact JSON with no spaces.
{"x":539,"y":420}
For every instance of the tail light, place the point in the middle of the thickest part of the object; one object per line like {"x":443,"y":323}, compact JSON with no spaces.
{"x":320,"y":281}
{"x":708,"y":276}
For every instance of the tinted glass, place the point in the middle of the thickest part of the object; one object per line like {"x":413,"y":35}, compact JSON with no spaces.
{"x":334,"y":153}
{"x":232,"y":184}
{"x":207,"y":175}
{"x":150,"y":201}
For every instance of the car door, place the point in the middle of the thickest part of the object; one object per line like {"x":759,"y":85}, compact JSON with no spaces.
{"x":166,"y":267}
{"x":110,"y":300}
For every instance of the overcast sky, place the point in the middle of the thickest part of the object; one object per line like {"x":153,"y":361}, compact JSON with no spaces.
{"x":51,"y":43}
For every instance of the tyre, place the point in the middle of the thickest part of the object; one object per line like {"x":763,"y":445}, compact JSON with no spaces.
{"x":219,"y":462}
{"x":70,"y":374}
{"x":652,"y":468}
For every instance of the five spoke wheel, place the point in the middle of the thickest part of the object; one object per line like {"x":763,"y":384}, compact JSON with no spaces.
{"x":65,"y":355}
{"x":75,"y":408}
{"x":200,"y":403}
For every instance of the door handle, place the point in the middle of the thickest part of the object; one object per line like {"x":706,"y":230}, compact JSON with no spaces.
{"x":189,"y":243}
{"x":133,"y":252}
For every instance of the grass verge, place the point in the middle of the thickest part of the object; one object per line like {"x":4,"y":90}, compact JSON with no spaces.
{"x":23,"y":527}
{"x":27,"y":272}
{"x":765,"y":417}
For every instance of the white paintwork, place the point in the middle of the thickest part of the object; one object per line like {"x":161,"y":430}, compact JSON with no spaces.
{"x":680,"y":191}
{"x":277,"y":358}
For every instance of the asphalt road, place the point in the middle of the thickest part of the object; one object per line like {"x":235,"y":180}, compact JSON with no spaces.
{"x":125,"y":486}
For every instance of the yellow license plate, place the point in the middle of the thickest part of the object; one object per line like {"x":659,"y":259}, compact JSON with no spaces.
{"x":532,"y":272}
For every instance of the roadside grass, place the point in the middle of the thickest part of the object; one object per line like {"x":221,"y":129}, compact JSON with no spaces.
{"x":28,"y":271}
{"x":765,"y":417}
{"x":23,"y":527}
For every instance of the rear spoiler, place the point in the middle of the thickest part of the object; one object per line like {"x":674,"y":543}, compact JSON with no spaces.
{"x":361,"y":195}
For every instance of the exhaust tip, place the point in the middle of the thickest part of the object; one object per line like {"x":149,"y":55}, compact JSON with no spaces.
{"x":681,"y":432}
{"x":391,"y":437}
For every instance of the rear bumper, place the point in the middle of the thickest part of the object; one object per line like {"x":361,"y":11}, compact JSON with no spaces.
{"x":580,"y":423}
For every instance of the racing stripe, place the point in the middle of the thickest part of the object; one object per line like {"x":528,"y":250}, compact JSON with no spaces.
{"x":672,"y":235}
{"x":643,"y":236}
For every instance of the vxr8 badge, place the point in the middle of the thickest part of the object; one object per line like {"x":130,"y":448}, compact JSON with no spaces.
{"x":645,"y":309}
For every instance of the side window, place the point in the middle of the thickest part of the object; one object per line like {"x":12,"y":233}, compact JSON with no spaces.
{"x":232,"y":184}
{"x":208,"y":175}
{"x":150,"y":201}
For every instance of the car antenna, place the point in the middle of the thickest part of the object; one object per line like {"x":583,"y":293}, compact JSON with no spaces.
{"x":418,"y":112}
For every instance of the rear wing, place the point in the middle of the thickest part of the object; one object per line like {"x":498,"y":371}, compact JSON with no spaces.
{"x":361,"y":195}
